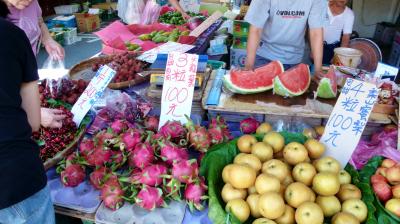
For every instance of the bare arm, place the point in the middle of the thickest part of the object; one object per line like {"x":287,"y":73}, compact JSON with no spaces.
{"x":316,"y":41}
{"x":178,"y":7}
{"x":54,"y":49}
{"x":252,"y":45}
{"x":345,"y":40}
{"x":31,"y":104}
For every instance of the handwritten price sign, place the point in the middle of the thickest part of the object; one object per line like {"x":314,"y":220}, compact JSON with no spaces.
{"x":178,"y":87}
{"x":92,"y":92}
{"x":348,"y":119}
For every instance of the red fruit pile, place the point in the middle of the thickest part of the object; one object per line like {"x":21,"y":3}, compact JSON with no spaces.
{"x":126,"y":65}
{"x":53,"y":140}
{"x":386,"y":185}
{"x":65,"y":90}
{"x":133,"y":162}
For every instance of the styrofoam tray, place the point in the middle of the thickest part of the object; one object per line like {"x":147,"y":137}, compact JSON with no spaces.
{"x":196,"y":217}
{"x":84,"y":197}
{"x":129,"y":213}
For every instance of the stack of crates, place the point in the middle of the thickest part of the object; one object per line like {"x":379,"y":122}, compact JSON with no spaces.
{"x":238,"y":50}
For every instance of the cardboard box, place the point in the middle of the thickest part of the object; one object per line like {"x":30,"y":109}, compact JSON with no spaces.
{"x":106,"y":6}
{"x":241,"y":28}
{"x":394,"y":58}
{"x":87,"y":22}
{"x":239,"y":42}
{"x":238,"y":57}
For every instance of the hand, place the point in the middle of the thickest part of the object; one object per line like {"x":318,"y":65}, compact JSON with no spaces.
{"x":54,"y":49}
{"x":318,"y":75}
{"x":51,"y":118}
{"x":185,"y":16}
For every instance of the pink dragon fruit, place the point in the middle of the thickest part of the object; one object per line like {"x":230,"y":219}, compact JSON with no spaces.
{"x":170,"y":153}
{"x":104,"y":138}
{"x":153,"y":175}
{"x":195,"y":193}
{"x":199,"y":138}
{"x":97,"y":177}
{"x":218,"y":122}
{"x":130,"y":139}
{"x":119,"y":126}
{"x":99,"y":157}
{"x":71,"y":159}
{"x":86,"y":146}
{"x":151,"y":123}
{"x":142,"y":155}
{"x":249,"y":125}
{"x":150,"y":197}
{"x":118,"y":159}
{"x":185,"y":171}
{"x":219,"y":131}
{"x":112,"y":194}
{"x":173,"y":129}
{"x":73,"y":175}
{"x":216,"y":135}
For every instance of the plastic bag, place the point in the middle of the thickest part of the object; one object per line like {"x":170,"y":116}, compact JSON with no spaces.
{"x":119,"y":105}
{"x":131,"y":10}
{"x":53,"y":72}
{"x":150,"y":13}
{"x":381,"y":144}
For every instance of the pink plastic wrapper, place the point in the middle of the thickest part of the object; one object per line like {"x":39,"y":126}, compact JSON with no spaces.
{"x":113,"y":31}
{"x":381,"y":144}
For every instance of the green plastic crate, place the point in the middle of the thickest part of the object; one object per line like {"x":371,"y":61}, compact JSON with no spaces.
{"x":216,"y":64}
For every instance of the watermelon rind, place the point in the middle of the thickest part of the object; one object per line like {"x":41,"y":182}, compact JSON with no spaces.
{"x":281,"y":90}
{"x":325,"y":90}
{"x":236,"y":89}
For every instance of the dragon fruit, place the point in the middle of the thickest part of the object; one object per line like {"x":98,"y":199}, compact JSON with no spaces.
{"x":173,"y":129}
{"x":153,"y":175}
{"x":249,"y":125}
{"x":199,"y":138}
{"x":185,"y":171}
{"x":150,"y":197}
{"x":216,"y":135}
{"x":119,"y":126}
{"x":104,"y":138}
{"x":130,"y":139}
{"x":86,"y":146}
{"x":219,"y":131}
{"x":97,"y":177}
{"x":118,"y":159}
{"x":73,"y":175}
{"x":151,"y":123}
{"x":112,"y":194}
{"x":142,"y":155}
{"x":218,"y":121}
{"x":170,"y":153}
{"x":195,"y":193}
{"x":100,"y":156}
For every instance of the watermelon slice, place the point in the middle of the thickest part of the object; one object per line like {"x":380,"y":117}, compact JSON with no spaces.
{"x":293,"y":82}
{"x":249,"y":82}
{"x":327,"y":87}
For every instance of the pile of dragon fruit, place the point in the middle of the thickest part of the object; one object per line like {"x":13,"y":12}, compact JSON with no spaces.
{"x":138,"y":163}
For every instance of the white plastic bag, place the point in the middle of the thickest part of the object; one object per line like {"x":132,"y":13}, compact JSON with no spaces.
{"x":130,"y":11}
{"x":53,"y":71}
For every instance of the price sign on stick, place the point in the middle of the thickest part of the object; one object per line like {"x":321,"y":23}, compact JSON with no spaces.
{"x":348,"y":119}
{"x":178,"y":87}
{"x":92,"y":92}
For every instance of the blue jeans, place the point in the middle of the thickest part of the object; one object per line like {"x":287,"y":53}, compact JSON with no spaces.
{"x":260,"y":61}
{"x":37,"y":209}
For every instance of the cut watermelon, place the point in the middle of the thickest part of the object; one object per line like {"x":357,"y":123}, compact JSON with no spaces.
{"x":248,"y":82}
{"x":327,"y":87}
{"x":293,"y":82}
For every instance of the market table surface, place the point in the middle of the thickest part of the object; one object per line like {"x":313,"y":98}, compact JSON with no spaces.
{"x":269,"y":104}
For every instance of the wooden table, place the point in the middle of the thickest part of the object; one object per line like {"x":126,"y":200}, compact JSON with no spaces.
{"x":267,"y":103}
{"x":75,"y":213}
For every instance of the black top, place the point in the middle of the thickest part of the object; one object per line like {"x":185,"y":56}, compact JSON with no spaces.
{"x":21,"y":170}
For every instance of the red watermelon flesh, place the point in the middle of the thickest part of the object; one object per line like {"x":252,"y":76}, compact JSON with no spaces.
{"x":293,"y":82}
{"x":332,"y":76}
{"x":260,"y":77}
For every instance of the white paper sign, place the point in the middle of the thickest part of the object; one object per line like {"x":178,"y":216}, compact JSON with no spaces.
{"x":178,"y":87}
{"x":151,"y":55}
{"x":386,"y":71}
{"x":92,"y":92}
{"x":348,"y":119}
{"x":190,"y":5}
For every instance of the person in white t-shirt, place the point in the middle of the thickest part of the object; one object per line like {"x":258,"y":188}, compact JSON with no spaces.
{"x":338,"y":31}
